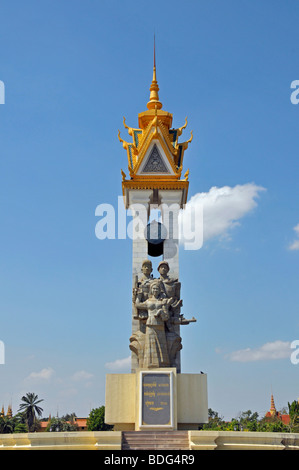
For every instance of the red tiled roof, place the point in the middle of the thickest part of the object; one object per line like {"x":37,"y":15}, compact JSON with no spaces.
{"x":284,"y":418}
{"x":44,"y":424}
{"x":81,"y":423}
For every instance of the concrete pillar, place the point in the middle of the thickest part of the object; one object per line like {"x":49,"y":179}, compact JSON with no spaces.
{"x":170,"y":207}
{"x":170,"y":204}
{"x":139,"y":206}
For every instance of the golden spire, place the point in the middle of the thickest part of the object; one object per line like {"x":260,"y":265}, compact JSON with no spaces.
{"x":272,"y":408}
{"x":9,"y":412}
{"x":154,"y":95}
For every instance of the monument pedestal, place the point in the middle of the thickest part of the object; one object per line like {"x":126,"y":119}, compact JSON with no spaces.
{"x":156,"y":399}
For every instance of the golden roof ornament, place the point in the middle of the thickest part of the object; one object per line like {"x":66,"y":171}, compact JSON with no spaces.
{"x":154,"y":102}
{"x":272,"y":408}
{"x":155,"y":156}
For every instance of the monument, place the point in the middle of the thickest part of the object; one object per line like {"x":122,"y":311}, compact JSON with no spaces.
{"x":156,"y":395}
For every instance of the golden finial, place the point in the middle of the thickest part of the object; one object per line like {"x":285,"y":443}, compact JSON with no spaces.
{"x":130,"y":130}
{"x":123,"y":174}
{"x":191,"y":138}
{"x":180,"y":129}
{"x":121,"y":140}
{"x":154,"y":95}
{"x":186,"y":176}
{"x":126,"y":144}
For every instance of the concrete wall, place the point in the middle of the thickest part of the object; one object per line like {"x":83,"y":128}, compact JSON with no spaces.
{"x":83,"y":440}
{"x":237,"y":440}
{"x":192,"y":396}
{"x":190,"y":402}
{"x":111,"y":440}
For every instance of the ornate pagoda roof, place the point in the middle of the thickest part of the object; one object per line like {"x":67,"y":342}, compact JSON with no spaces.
{"x":155,"y":155}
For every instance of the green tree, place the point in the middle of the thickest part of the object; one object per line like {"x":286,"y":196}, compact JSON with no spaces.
{"x":294,"y":416}
{"x":69,"y":417}
{"x":96,"y":420}
{"x":232,"y":425}
{"x":6,"y":425}
{"x":19,"y":423}
{"x":31,"y":410}
{"x":20,"y":428}
{"x":60,"y":425}
{"x":248,"y":420}
{"x":215,"y":421}
{"x":271,"y":424}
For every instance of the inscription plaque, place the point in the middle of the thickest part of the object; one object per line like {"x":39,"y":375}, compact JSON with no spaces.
{"x":156,"y":399}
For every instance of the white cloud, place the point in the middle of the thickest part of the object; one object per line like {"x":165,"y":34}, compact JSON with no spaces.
{"x":119,"y":364}
{"x":223,"y":208}
{"x":268,"y":351}
{"x":81,"y":375}
{"x":44,"y":374}
{"x":295,"y":244}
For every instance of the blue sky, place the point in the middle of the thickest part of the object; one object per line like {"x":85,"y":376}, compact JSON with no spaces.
{"x":71,"y":71}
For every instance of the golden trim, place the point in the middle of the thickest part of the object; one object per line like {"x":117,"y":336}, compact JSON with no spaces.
{"x":160,"y":184}
{"x":153,"y":177}
{"x":155,"y":135}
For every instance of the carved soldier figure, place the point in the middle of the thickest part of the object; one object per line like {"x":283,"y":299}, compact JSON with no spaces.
{"x":157,"y":307}
{"x":146,"y":278}
{"x":172,"y":288}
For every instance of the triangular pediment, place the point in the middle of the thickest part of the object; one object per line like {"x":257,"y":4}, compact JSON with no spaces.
{"x":155,"y":161}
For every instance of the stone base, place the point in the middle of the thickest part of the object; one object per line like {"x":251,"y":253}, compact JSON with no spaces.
{"x":156,"y":399}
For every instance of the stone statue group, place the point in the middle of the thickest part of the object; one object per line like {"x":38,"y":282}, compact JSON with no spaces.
{"x":157,"y":306}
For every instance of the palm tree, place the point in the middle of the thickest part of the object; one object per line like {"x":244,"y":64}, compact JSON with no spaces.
{"x":6,"y":425}
{"x":31,"y":409}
